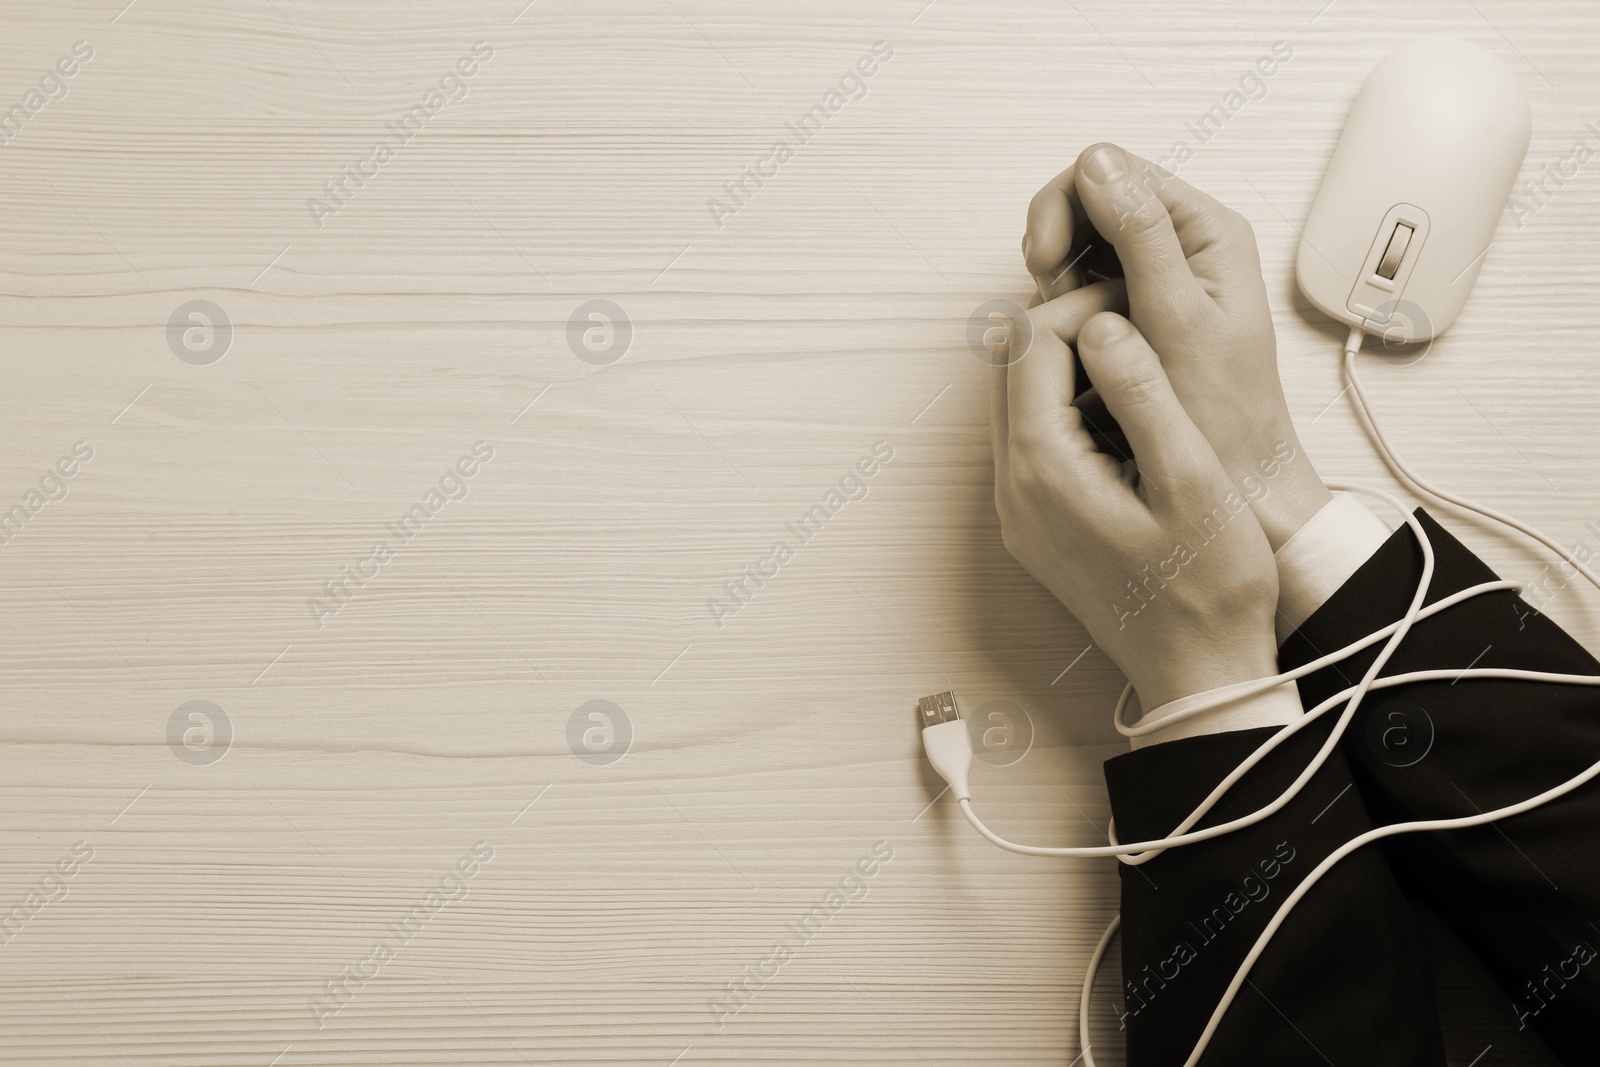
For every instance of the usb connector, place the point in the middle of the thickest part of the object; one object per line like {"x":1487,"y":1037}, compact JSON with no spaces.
{"x":941,"y":707}
{"x":945,"y":740}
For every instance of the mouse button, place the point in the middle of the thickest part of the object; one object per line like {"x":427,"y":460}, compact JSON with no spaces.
{"x":1391,"y":258}
{"x":1396,"y":251}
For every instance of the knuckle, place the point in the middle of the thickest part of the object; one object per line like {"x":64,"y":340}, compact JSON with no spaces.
{"x":1005,"y":502}
{"x":1008,"y":539}
{"x":1143,"y":225}
{"x":1030,"y":447}
{"x":1032,"y":491}
{"x":1190,"y":308}
{"x":1010,"y":528}
{"x":1135,"y":205}
{"x":1021,"y":329}
{"x":1242,"y":233}
{"x":1042,"y":201}
{"x":1140,"y":387}
{"x":1025,"y":474}
{"x":1019,"y":447}
{"x":1222,"y":217}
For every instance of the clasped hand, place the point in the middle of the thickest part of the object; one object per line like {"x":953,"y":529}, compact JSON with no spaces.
{"x":1152,"y":503}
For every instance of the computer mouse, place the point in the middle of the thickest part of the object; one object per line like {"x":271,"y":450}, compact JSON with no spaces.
{"x":1415,"y":189}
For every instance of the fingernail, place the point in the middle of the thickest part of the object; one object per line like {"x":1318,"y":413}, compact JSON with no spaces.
{"x":1044,"y":287}
{"x":1107,"y":164}
{"x":1107,"y":329}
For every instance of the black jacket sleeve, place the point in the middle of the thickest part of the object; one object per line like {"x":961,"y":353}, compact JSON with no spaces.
{"x":1346,"y":979}
{"x":1523,"y":893}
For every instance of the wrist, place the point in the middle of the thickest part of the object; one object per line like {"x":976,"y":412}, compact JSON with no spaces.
{"x":1184,"y":673}
{"x":1282,"y":518}
{"x":1284,"y":490}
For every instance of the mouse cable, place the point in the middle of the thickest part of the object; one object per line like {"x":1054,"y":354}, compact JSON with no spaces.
{"x":949,"y":746}
{"x":1352,"y":345}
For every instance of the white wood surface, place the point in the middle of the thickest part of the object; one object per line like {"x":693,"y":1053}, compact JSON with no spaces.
{"x":768,"y":355}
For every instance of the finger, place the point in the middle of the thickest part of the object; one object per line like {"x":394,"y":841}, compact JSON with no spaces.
{"x":1171,"y":452}
{"x":999,"y":423}
{"x":1018,"y":336}
{"x":1217,"y":240}
{"x":1060,"y":284}
{"x":1065,"y":314}
{"x":1055,"y":216}
{"x":1039,"y":383}
{"x":1092,"y":260}
{"x":1121,"y":201}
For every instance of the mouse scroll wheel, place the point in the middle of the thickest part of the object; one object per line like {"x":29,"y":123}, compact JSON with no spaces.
{"x":1399,"y":241}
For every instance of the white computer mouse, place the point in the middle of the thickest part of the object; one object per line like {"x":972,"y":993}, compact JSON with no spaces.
{"x":1415,"y":189}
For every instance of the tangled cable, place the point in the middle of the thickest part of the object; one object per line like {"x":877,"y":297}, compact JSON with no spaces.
{"x":1138,"y":852}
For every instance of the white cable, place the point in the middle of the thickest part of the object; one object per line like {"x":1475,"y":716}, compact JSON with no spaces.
{"x":1150,"y":726}
{"x":1180,"y":836}
{"x":949,"y":749}
{"x":1088,"y":988}
{"x":1351,"y":346}
{"x":1391,"y":830}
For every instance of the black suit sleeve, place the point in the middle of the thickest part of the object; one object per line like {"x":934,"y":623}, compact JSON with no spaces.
{"x":1523,"y":893}
{"x":1346,"y":978}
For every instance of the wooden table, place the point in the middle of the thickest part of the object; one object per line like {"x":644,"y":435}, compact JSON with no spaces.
{"x":282,"y":798}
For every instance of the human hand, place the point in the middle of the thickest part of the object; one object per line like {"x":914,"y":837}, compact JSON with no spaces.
{"x":1195,"y":291}
{"x":1163,"y":561}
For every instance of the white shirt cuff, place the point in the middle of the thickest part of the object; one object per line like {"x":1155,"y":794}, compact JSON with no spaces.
{"x":1278,"y":706}
{"x":1321,"y":557}
{"x":1312,"y":565}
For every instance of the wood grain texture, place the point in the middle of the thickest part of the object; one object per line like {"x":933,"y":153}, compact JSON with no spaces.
{"x":371,"y":753}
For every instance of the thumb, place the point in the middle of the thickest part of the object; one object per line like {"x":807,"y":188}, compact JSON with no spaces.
{"x":1174,"y":458}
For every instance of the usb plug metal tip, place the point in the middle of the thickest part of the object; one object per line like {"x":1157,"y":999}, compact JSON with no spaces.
{"x":933,"y":710}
